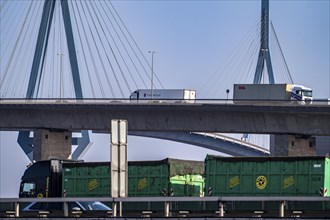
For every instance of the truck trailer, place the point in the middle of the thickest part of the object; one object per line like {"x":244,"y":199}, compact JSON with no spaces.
{"x":164,"y":95}
{"x":168,"y":177}
{"x":272,"y":93}
{"x":268,"y":176}
{"x":57,"y":178}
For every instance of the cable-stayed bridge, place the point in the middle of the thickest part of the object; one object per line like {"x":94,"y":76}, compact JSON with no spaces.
{"x":101,"y":48}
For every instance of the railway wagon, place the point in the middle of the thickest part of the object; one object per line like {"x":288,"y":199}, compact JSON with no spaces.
{"x":168,"y":177}
{"x":268,"y":176}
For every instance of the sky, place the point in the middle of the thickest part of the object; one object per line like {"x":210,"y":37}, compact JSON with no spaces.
{"x":200,"y":45}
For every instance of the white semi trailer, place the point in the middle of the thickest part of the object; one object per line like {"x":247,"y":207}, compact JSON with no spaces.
{"x":164,"y":95}
{"x":272,"y":93}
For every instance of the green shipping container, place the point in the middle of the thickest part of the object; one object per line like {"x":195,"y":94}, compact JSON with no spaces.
{"x":267,"y":176}
{"x":91,"y":179}
{"x":145,"y":178}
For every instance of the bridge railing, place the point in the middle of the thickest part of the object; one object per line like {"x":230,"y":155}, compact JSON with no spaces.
{"x":221,"y":200}
{"x":316,"y":102}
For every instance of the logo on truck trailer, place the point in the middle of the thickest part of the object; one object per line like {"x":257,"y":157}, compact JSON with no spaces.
{"x":234,"y":181}
{"x":289,"y":181}
{"x":261,"y":182}
{"x":92,"y":185}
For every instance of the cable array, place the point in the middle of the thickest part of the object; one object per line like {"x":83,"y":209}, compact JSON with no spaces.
{"x":280,"y":65}
{"x":110,"y":62}
{"x":235,"y":68}
{"x":240,"y":64}
{"x":239,"y":67}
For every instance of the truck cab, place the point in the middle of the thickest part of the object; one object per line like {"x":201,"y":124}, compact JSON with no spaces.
{"x":42,"y":179}
{"x":302,"y":93}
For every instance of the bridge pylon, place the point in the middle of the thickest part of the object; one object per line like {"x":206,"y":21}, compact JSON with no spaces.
{"x":24,"y":139}
{"x":264,"y":54}
{"x":280,"y":145}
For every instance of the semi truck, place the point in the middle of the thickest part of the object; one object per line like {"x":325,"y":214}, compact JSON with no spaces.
{"x":57,"y":178}
{"x":274,"y":93}
{"x":168,"y":177}
{"x":164,"y":95}
{"x":217,"y":175}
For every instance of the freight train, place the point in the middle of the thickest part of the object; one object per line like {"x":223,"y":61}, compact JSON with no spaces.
{"x":215,"y":176}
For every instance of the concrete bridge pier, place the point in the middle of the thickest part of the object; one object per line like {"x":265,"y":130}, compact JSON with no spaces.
{"x":292,"y":145}
{"x":48,"y":144}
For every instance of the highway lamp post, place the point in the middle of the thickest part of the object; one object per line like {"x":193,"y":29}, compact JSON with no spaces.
{"x":227,"y":91}
{"x":61,"y":75}
{"x":152,"y":71}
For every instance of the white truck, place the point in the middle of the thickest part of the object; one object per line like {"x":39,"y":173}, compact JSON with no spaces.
{"x":272,"y":93}
{"x":164,"y":95}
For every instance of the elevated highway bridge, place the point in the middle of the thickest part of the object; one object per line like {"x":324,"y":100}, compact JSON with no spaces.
{"x":187,"y":123}
{"x":77,"y":115}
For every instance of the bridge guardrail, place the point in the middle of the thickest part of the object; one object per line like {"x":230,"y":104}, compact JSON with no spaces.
{"x":220,"y":199}
{"x":316,"y":102}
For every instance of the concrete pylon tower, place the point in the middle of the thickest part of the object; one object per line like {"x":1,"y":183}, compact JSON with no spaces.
{"x":50,"y":143}
{"x":264,"y":55}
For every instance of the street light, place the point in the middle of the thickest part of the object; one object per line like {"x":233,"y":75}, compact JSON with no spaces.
{"x":227,"y":91}
{"x":152,"y":71}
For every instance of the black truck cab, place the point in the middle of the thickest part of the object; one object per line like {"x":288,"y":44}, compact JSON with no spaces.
{"x":42,"y":179}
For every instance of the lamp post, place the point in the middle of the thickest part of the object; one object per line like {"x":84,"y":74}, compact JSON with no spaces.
{"x":61,"y":75}
{"x":152,"y":72}
{"x":227,"y":91}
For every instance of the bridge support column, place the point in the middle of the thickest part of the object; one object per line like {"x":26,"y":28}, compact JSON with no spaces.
{"x":292,"y":145}
{"x":51,"y":144}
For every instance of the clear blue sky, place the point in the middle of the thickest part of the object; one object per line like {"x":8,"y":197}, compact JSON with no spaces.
{"x":194,"y":39}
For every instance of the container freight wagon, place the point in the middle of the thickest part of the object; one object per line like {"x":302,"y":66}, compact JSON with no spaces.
{"x":268,"y":176}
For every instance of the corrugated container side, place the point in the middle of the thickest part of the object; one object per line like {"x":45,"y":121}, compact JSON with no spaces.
{"x":86,"y":179}
{"x":187,"y":185}
{"x":147,"y":179}
{"x":94,"y":179}
{"x":296,"y":176}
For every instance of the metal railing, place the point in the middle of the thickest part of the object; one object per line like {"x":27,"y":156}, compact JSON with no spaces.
{"x":113,"y":101}
{"x":221,"y":200}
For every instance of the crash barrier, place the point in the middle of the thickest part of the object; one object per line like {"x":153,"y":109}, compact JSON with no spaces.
{"x":220,"y":200}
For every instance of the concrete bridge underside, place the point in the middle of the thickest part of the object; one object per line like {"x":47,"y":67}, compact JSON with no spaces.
{"x":212,"y":118}
{"x":166,"y":121}
{"x":216,"y":142}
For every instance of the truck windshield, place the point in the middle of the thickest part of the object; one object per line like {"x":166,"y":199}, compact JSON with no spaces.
{"x":28,"y":188}
{"x":307,"y":93}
